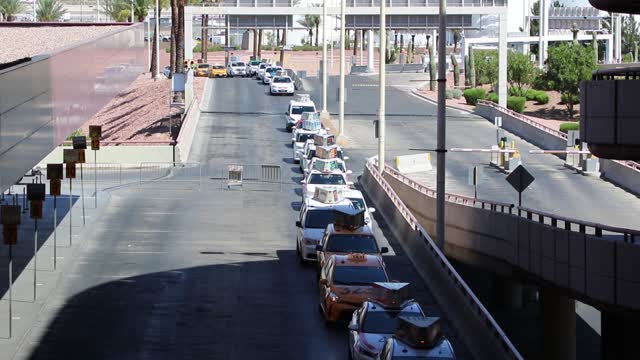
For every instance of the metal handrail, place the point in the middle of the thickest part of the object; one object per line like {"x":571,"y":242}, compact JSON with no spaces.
{"x":523,"y":118}
{"x":490,"y":322}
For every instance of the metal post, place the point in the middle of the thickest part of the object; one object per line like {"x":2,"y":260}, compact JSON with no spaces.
{"x":148,"y":41}
{"x":84,"y":222}
{"x":55,"y":232}
{"x":157,"y":74}
{"x":343,"y":24}
{"x":10,"y":288}
{"x":441,"y":125}
{"x":98,"y":11}
{"x":95,"y":178}
{"x":70,"y":207}
{"x":132,"y":11}
{"x":35,"y":257}
{"x":362,"y":32}
{"x":324,"y":56}
{"x":382,"y":109}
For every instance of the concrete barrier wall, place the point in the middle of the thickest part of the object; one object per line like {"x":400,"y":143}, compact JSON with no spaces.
{"x":510,"y":122}
{"x":624,"y":176}
{"x":461,"y":307}
{"x":597,"y":269}
{"x":126,"y":155}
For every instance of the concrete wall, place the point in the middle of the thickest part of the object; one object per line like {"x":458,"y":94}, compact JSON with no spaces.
{"x":44,"y":100}
{"x":477,"y":328}
{"x":598,"y":270}
{"x":515,"y":123}
{"x":125,"y":155}
{"x":624,"y":176}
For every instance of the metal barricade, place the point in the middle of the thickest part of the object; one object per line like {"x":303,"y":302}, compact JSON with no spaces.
{"x":168,"y":172}
{"x":259,"y":176}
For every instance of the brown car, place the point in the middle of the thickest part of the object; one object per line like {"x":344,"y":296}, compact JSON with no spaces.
{"x":341,"y":241}
{"x":346,"y":281}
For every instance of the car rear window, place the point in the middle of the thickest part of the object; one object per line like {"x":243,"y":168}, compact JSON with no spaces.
{"x":358,"y":275}
{"x":352,"y":243}
{"x":327,"y":179}
{"x":282,"y":80}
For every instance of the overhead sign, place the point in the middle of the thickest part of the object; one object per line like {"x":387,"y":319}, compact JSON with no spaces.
{"x":520,"y":179}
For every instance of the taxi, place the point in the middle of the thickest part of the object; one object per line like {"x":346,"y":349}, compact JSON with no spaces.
{"x":346,"y":281}
{"x":349,"y":233}
{"x":309,"y":153}
{"x":311,"y":125}
{"x":217,"y":70}
{"x":333,"y":180}
{"x":376,"y":320}
{"x":327,"y":165}
{"x":202,"y":70}
{"x":298,"y":106}
{"x":417,"y":337}
{"x":315,"y":214}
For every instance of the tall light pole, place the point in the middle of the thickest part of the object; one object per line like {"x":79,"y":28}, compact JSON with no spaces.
{"x":148,"y":40}
{"x":132,"y":11}
{"x":324,"y":58}
{"x":383,"y":78}
{"x":441,"y":124}
{"x":97,"y":10}
{"x":343,"y":24}
{"x":157,"y":36}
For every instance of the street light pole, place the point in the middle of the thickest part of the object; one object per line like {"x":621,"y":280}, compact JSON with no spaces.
{"x":132,"y":11}
{"x":441,"y":124}
{"x":324,"y":57}
{"x":157,"y":36}
{"x":343,"y":24}
{"x":382,"y":109}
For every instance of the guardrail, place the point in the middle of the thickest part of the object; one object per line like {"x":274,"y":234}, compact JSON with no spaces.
{"x":487,"y":321}
{"x":574,"y":225}
{"x":297,"y":82}
{"x":523,"y":118}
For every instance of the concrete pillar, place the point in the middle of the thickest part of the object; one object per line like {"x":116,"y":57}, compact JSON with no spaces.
{"x":255,"y":43}
{"x":558,"y":325}
{"x":545,"y":34}
{"x":502,"y":61}
{"x":608,"y":50}
{"x":619,"y":339}
{"x":370,"y":51}
{"x":188,"y":35}
{"x":434,"y":36}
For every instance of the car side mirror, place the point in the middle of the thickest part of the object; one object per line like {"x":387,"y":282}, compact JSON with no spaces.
{"x":306,"y":171}
{"x":319,"y":248}
{"x":353,"y":327}
{"x":303,"y":182}
{"x":384,"y":250}
{"x":298,"y":224}
{"x":286,"y":113}
{"x":345,"y":158}
{"x":304,"y":157}
{"x":323,"y":282}
{"x":372,"y":210}
{"x":350,"y":183}
{"x":349,"y":172}
{"x":293,"y":139}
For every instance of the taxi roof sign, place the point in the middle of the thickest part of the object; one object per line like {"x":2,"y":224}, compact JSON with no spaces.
{"x":310,"y":115}
{"x":419,"y":332}
{"x":324,"y":139}
{"x":327,"y":196}
{"x":327,"y":152}
{"x":326,"y":165}
{"x":303,"y":98}
{"x":311,"y":124}
{"x":357,"y":257}
{"x":351,"y":218}
{"x":391,"y":294}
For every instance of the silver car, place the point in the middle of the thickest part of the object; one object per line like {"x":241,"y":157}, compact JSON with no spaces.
{"x":237,"y":69}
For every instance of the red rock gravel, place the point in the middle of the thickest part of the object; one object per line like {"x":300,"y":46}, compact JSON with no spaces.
{"x":139,"y":113}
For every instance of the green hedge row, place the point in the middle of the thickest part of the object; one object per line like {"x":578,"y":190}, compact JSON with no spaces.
{"x":565,"y":127}
{"x":473,"y":95}
{"x":516,"y":103}
{"x":453,"y":94}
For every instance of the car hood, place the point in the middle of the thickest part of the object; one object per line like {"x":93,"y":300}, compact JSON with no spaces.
{"x":353,"y":295}
{"x":313,"y":234}
{"x":373,"y":342}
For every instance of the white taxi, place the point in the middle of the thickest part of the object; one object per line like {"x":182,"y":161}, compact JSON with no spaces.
{"x":282,"y":85}
{"x":332,"y":180}
{"x":301,"y":104}
{"x":417,"y":337}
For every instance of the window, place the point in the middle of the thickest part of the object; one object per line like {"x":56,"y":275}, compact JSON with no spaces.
{"x":319,"y":218}
{"x":303,"y":137}
{"x":327,"y":179}
{"x":297,"y":109}
{"x":203,"y":66}
{"x":352,"y":243}
{"x":358,"y":275}
{"x":239,"y":64}
{"x":282,"y":80}
{"x":358,"y":203}
{"x":218,"y":67}
{"x":384,"y":322}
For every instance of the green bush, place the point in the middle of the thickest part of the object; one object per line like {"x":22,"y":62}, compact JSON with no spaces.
{"x":457,"y":93}
{"x":564,"y":98}
{"x":306,"y":47}
{"x":448,"y":94}
{"x":211,"y":48}
{"x":565,"y":127}
{"x":516,"y":103}
{"x":77,"y":132}
{"x":540,"y":97}
{"x":473,"y":95}
{"x":493,"y":97}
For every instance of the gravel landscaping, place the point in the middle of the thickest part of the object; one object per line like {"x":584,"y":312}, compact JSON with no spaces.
{"x":21,"y":42}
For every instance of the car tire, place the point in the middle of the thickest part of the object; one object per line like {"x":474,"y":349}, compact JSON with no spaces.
{"x":231,"y":76}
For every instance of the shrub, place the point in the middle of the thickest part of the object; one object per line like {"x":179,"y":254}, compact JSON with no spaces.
{"x":564,"y":98}
{"x":516,"y":103}
{"x":457,"y":93}
{"x":565,"y":127}
{"x":306,"y":47}
{"x":473,"y":95}
{"x":493,"y":97}
{"x":540,"y":97}
{"x":448,"y":94}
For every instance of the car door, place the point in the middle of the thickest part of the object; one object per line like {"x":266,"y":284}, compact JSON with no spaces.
{"x":325,"y":289}
{"x":300,"y":230}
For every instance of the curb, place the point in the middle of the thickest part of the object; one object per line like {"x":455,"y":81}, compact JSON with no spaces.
{"x":423,"y":97}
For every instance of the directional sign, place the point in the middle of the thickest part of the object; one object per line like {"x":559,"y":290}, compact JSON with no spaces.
{"x":520,"y":178}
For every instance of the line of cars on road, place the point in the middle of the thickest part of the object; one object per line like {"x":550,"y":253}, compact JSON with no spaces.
{"x":334,"y":231}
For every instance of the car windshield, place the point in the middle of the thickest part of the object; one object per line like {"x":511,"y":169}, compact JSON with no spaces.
{"x":240,"y":64}
{"x":358,"y":275}
{"x":282,"y":80}
{"x":340,"y":155}
{"x":263,"y":66}
{"x":326,"y":179}
{"x":352,"y":243}
{"x":303,"y":137}
{"x":298,"y":110}
{"x":319,"y":218}
{"x":357,"y":203}
{"x":384,"y":322}
{"x":219,"y":67}
{"x":254,"y":62}
{"x":203,"y":66}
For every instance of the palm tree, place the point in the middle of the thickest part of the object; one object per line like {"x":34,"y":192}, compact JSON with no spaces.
{"x":9,"y":8}
{"x":311,"y":22}
{"x":50,"y":10}
{"x":141,"y":9}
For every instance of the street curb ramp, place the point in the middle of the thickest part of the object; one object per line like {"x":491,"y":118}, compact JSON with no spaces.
{"x":478,"y":330}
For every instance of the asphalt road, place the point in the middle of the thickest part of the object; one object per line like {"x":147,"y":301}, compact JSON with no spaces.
{"x":181,"y":269}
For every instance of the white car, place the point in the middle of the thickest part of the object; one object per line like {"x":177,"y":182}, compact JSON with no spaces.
{"x":357,"y":200}
{"x":252,"y":67}
{"x":236,"y":69}
{"x":299,"y":140}
{"x":261,"y":68}
{"x":315,"y":215}
{"x":309,"y":153}
{"x":330,"y":180}
{"x":301,"y":104}
{"x":375,"y":322}
{"x":327,"y":165}
{"x":427,"y":343}
{"x":167,"y":71}
{"x":282,"y":85}
{"x":309,"y":121}
{"x":269,"y":74}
